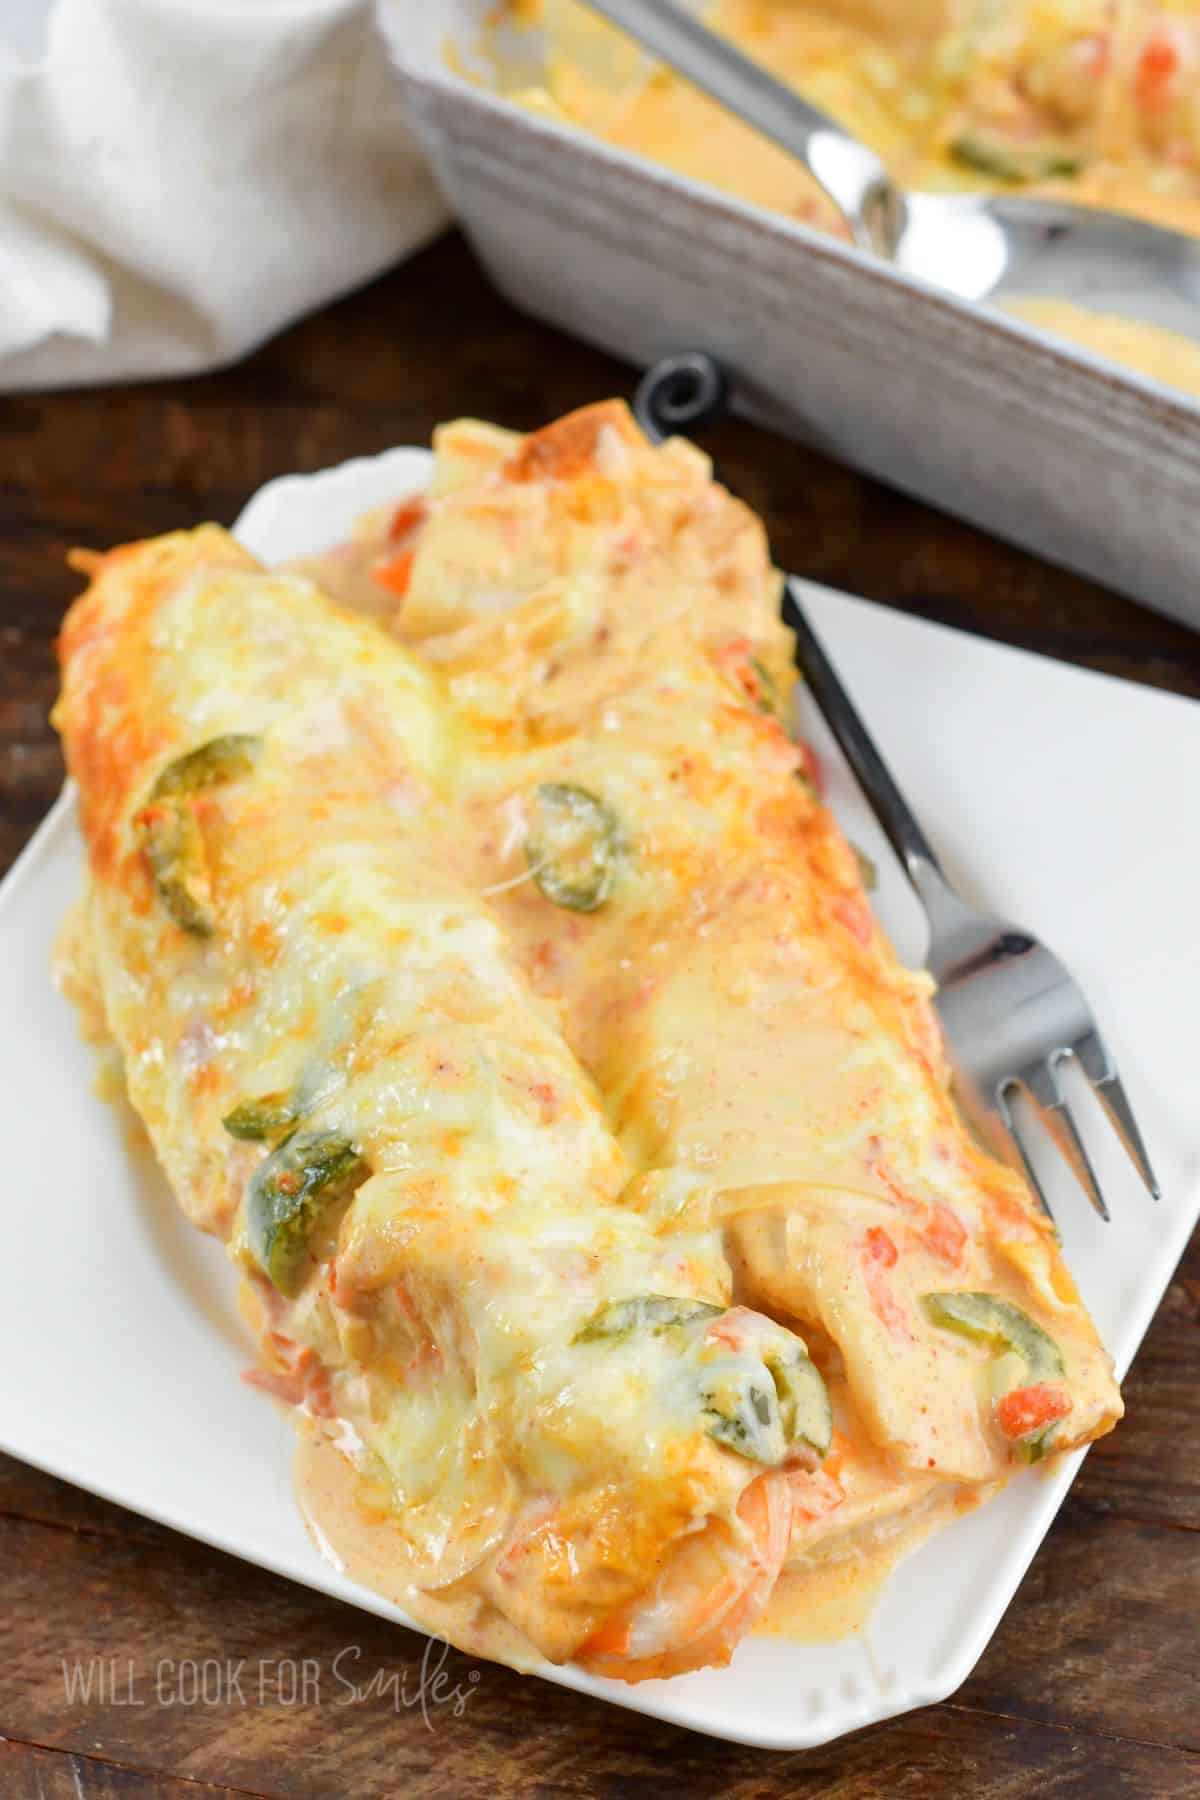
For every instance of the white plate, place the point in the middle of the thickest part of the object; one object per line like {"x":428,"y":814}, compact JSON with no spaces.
{"x":1063,"y":797}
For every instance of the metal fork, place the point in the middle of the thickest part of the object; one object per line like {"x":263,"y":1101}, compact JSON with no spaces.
{"x":1011,"y":1013}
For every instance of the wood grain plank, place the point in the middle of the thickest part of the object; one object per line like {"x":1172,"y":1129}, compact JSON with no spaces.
{"x":29,"y":1495}
{"x":1149,"y":1468}
{"x":1105,"y":1632}
{"x":938,"y":1753}
{"x":30,"y":1772}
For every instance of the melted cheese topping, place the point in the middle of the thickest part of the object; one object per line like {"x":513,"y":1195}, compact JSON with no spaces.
{"x":440,"y":1305}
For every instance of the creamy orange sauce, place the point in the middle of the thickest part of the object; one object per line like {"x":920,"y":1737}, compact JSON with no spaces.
{"x":823,"y":1602}
{"x":1165,"y":356}
{"x":826,"y":1604}
{"x":365,"y":1543}
{"x":344,"y":571}
{"x":827,"y":1598}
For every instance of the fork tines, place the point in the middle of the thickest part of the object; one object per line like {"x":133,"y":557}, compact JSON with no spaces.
{"x":1043,"y":1082}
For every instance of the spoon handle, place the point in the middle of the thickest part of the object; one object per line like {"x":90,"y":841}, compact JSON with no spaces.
{"x":840,"y":165}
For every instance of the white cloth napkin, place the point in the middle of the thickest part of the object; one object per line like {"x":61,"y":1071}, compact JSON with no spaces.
{"x":179,"y":178}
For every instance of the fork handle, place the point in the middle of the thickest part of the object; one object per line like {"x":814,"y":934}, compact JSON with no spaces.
{"x":861,"y":752}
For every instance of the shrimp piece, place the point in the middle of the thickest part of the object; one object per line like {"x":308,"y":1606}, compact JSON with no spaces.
{"x":300,"y":1379}
{"x":712,"y":1590}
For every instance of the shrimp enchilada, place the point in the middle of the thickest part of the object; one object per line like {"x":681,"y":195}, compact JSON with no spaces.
{"x":491,"y":979}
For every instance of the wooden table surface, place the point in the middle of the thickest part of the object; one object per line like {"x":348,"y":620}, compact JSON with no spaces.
{"x":1089,"y":1688}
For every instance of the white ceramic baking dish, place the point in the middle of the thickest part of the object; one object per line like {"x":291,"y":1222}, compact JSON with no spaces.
{"x":979,"y":413}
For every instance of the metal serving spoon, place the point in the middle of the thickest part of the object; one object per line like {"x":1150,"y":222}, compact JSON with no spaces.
{"x":979,"y":246}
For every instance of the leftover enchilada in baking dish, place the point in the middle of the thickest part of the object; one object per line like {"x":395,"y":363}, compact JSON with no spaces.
{"x":1095,"y":101}
{"x":490,"y":977}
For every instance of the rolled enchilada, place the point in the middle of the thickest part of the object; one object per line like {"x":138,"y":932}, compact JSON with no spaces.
{"x":345,"y":1075}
